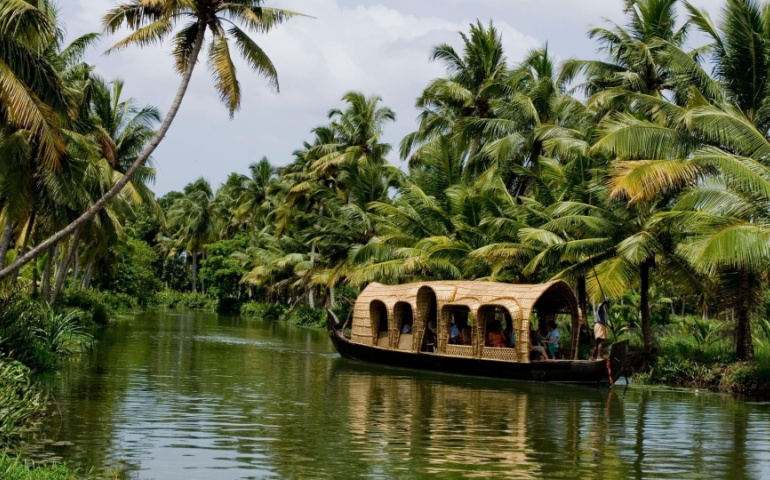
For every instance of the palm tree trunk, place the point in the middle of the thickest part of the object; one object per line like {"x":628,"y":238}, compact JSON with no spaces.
{"x":194,"y":273}
{"x":35,"y":275}
{"x":310,"y":293}
{"x":120,"y":184}
{"x":86,"y":282}
{"x":582,"y":323}
{"x":5,"y":241}
{"x":203,"y":280}
{"x":46,"y":286}
{"x":744,"y":347}
{"x":75,"y":269}
{"x":650,"y":344}
{"x":61,"y":275}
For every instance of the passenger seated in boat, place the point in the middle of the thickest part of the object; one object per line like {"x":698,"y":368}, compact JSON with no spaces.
{"x":510,"y":335}
{"x":552,"y":340}
{"x":454,"y":332}
{"x":429,"y":343}
{"x":495,"y":336}
{"x":536,"y":351}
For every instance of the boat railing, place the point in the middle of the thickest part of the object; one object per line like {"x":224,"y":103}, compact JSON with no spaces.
{"x":499,"y":353}
{"x":458,"y":350}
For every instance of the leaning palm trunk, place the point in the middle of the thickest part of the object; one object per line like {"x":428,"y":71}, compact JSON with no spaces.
{"x":120,"y":184}
{"x":61,"y":275}
{"x":5,"y":241}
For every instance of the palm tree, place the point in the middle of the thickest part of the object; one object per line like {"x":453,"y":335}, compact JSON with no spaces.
{"x":717,"y":156}
{"x":192,"y":222}
{"x":154,"y":20}
{"x":637,"y":58}
{"x":357,"y":131}
{"x":476,"y":78}
{"x":741,"y":56}
{"x":32,"y":92}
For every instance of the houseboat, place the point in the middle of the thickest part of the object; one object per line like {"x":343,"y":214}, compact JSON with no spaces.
{"x":443,"y":326}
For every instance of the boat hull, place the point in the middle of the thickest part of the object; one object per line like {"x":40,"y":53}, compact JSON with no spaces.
{"x":563,"y":371}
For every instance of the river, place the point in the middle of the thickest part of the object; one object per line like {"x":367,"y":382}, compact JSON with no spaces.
{"x":179,"y":395}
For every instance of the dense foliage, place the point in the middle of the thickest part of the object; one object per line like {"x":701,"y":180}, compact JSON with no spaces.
{"x":642,"y":175}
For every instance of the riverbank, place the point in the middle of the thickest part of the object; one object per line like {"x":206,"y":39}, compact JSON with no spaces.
{"x":36,"y":338}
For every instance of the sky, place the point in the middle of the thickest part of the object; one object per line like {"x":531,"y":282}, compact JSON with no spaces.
{"x":375,"y":47}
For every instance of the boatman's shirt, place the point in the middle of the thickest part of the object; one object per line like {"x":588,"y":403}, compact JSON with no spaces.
{"x":454,"y":331}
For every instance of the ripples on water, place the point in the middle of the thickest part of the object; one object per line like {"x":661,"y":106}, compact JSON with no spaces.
{"x":197,"y":396}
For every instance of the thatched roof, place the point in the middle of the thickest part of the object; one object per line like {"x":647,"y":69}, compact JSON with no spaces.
{"x":475,"y":293}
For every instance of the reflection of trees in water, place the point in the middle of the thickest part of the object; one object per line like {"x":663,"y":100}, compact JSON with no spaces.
{"x":271,"y":405}
{"x":481,"y":429}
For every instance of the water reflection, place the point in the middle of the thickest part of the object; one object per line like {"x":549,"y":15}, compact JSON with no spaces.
{"x":196,"y":396}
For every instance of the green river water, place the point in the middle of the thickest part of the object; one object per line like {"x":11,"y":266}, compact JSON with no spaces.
{"x":176,"y":395}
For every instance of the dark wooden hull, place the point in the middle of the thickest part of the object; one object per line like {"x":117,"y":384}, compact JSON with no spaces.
{"x":564,"y":371}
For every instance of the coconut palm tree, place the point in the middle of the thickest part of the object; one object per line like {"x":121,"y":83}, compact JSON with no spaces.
{"x":31,"y":89}
{"x":717,"y":156}
{"x":192,"y":223}
{"x":740,"y":55}
{"x":636,"y":54}
{"x":154,"y":20}
{"x":357,"y":131}
{"x":476,"y":78}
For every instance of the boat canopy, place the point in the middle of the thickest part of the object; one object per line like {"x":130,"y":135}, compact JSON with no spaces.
{"x":381,"y":311}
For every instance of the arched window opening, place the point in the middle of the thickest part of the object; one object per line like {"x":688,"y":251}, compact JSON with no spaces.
{"x":426,"y":324}
{"x":379,"y":315}
{"x":405,"y":321}
{"x":498,"y":326}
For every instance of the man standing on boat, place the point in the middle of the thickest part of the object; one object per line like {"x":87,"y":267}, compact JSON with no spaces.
{"x":601,"y":316}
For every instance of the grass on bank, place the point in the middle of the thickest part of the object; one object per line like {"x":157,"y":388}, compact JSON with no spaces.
{"x":12,"y":468}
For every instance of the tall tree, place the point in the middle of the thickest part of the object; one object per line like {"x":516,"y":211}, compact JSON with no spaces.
{"x":154,"y":20}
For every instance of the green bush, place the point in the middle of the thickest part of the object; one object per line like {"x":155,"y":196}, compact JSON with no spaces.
{"x":198,"y":301}
{"x":132,"y":271}
{"x":174,"y":299}
{"x":37,"y":335}
{"x":21,"y":402}
{"x":682,"y":372}
{"x":747,"y":378}
{"x":100,"y":305}
{"x":267,"y":311}
{"x":304,"y":316}
{"x":167,"y":298}
{"x":14,"y":469}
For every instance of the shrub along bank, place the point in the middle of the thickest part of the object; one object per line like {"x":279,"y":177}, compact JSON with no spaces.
{"x":34,"y":337}
{"x":697,"y":353}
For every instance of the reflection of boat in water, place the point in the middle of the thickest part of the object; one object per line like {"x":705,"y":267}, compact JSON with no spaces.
{"x":416,"y":326}
{"x":422,"y":423}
